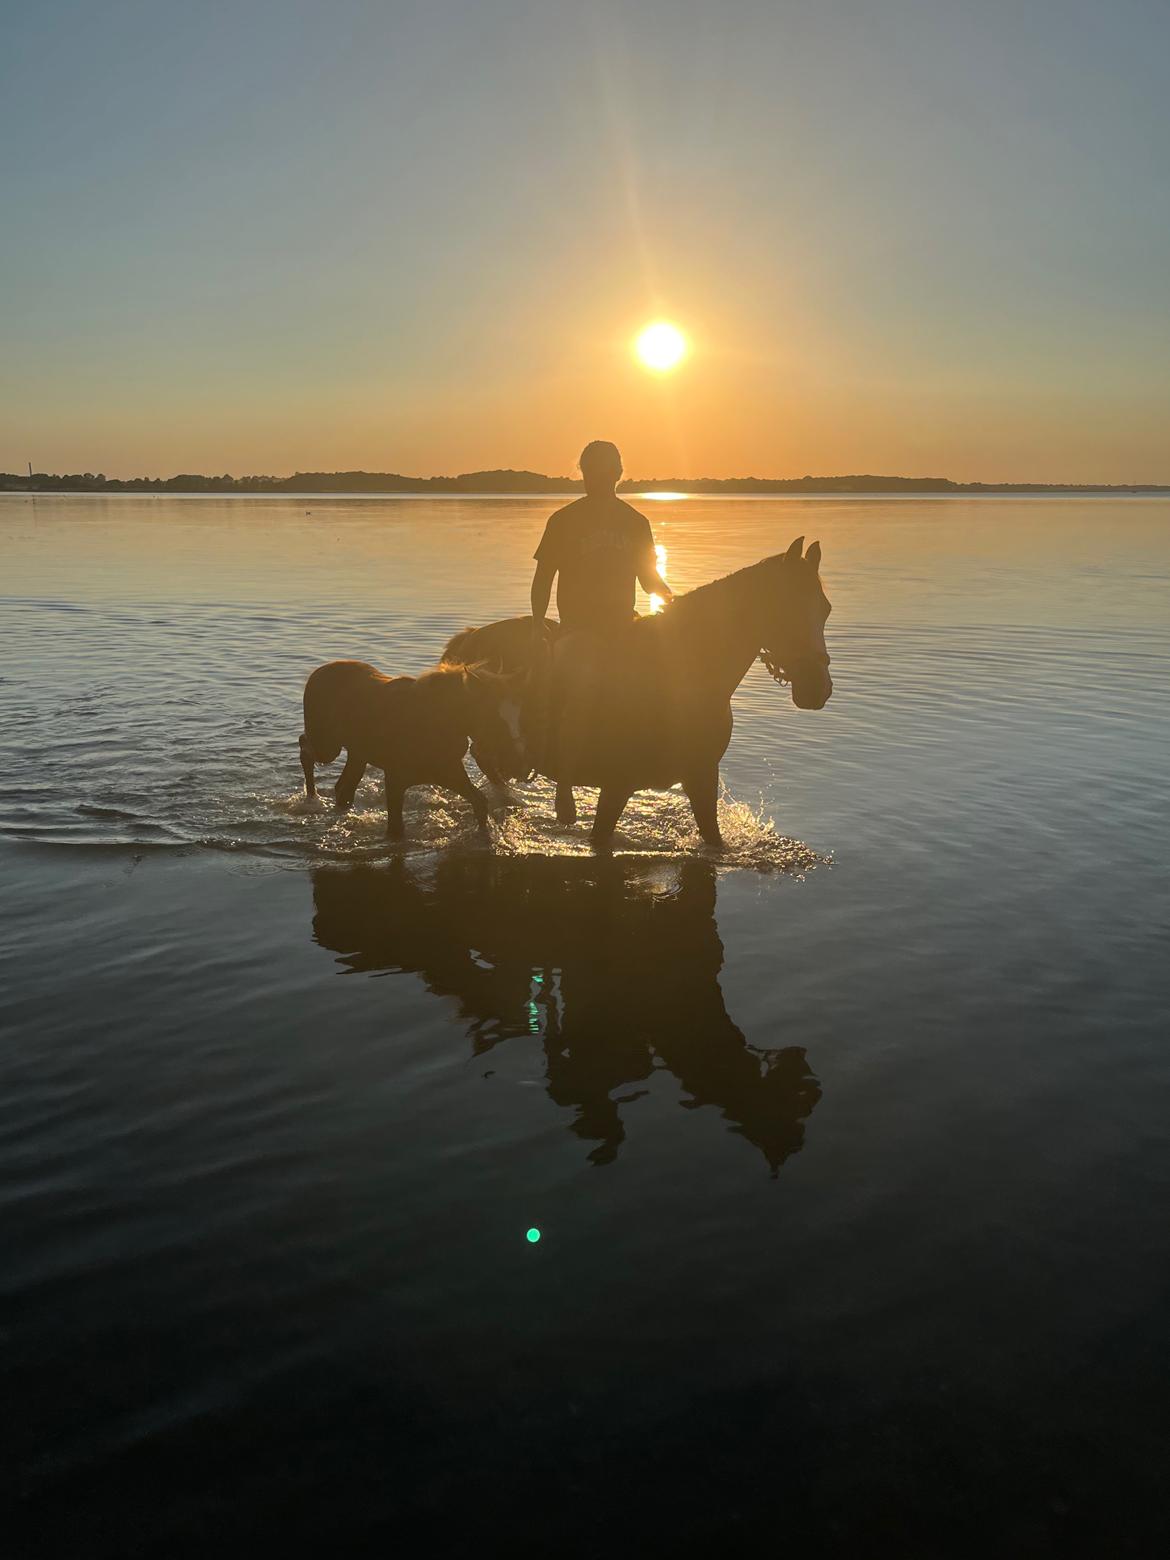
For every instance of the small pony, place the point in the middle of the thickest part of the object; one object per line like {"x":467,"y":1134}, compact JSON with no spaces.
{"x":415,"y":729}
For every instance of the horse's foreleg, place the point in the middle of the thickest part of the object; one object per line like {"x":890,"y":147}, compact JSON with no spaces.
{"x":703,"y":793}
{"x":395,"y":792}
{"x":566,"y":804}
{"x":458,"y":780}
{"x":610,"y":805}
{"x":307,"y":762}
{"x":348,"y":780}
{"x":486,"y":768}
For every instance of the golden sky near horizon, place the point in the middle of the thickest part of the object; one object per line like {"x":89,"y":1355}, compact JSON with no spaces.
{"x":921,"y":242}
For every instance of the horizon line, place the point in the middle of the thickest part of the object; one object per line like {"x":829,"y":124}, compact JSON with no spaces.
{"x":518,"y":480}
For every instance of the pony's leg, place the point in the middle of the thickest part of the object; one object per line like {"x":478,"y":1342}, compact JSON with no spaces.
{"x":394,"y":795}
{"x":487,"y":769}
{"x":610,"y":804}
{"x":703,"y":794}
{"x":348,"y":780}
{"x":458,"y":780}
{"x":307,"y":766}
{"x":566,"y":804}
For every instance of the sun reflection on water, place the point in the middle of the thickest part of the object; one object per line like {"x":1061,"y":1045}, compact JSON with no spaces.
{"x":658,"y":602}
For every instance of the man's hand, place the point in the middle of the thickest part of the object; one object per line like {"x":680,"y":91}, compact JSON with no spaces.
{"x":654,"y":585}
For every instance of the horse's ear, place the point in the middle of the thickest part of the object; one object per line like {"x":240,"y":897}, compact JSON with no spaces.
{"x":795,"y":550}
{"x":813,"y":555}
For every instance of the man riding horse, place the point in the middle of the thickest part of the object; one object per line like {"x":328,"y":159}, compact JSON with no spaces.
{"x":596,"y":548}
{"x":623,"y":703}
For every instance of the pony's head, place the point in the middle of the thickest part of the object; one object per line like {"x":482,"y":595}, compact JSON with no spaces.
{"x":794,"y":616}
{"x":471,"y":702}
{"x":493,"y":702}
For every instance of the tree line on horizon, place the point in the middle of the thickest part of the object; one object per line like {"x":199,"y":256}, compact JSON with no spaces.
{"x":510,"y":482}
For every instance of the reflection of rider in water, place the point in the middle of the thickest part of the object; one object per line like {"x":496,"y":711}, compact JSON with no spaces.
{"x":595,"y":548}
{"x":613,"y":969}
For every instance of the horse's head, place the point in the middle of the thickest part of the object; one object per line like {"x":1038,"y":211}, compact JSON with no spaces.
{"x":795,"y":611}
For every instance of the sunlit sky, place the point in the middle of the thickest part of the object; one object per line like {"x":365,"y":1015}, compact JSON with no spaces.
{"x":901,"y":236}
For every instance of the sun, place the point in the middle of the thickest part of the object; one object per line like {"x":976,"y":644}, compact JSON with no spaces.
{"x":661,"y":346}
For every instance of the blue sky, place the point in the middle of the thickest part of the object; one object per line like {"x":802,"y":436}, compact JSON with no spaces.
{"x":902,"y":236}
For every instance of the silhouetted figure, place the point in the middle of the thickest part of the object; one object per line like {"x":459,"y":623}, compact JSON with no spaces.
{"x":613,"y":968}
{"x":597,"y":548}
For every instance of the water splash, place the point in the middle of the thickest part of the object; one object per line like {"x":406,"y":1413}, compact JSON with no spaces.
{"x":654,"y":824}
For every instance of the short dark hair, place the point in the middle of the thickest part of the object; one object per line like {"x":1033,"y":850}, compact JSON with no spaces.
{"x":601,"y":456}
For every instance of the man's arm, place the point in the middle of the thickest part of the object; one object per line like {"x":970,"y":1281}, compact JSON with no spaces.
{"x":652,"y":582}
{"x":654,"y":585}
{"x":542,"y":582}
{"x":547,"y":557}
{"x":648,"y":576}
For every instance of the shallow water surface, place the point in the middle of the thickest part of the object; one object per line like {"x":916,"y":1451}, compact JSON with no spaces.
{"x":847,"y":1148}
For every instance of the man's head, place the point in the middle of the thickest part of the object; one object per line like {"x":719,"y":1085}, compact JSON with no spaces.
{"x":601,"y":466}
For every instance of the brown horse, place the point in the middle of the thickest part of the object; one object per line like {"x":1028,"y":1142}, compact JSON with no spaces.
{"x":650,"y":706}
{"x":416,"y":730}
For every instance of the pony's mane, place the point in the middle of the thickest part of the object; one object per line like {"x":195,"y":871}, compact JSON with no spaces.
{"x":439,"y":684}
{"x":445,"y":682}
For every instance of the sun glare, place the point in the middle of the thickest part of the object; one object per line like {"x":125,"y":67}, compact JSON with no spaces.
{"x":658,"y":602}
{"x":661,"y":346}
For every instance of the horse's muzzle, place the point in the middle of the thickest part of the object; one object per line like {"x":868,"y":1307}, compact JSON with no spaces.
{"x":812,"y":687}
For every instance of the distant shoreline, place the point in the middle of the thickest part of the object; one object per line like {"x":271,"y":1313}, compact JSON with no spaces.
{"x":505,"y":483}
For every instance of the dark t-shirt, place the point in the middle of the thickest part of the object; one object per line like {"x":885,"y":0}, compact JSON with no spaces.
{"x":598,"y":547}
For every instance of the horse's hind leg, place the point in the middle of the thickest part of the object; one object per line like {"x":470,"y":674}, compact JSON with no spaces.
{"x":348,"y":780}
{"x":566,"y":804}
{"x":703,"y":793}
{"x":307,"y":762}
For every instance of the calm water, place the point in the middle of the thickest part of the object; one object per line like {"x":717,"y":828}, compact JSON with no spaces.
{"x":849,"y":1151}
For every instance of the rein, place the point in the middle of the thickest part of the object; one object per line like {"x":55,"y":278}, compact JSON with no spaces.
{"x":775,"y":671}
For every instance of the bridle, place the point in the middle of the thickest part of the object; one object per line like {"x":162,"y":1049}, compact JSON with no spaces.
{"x":780,"y":673}
{"x":775,"y":671}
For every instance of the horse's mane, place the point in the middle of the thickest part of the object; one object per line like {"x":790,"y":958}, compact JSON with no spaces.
{"x":494,"y":643}
{"x":704,"y":599}
{"x":456,"y":645}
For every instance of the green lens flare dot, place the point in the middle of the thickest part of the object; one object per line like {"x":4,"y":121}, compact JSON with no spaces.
{"x":533,"y":1236}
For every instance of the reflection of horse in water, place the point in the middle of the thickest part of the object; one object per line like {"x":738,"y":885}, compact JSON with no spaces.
{"x":614,"y":966}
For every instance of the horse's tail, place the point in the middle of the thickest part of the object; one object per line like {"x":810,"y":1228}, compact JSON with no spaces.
{"x":456,"y":648}
{"x":322,"y":735}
